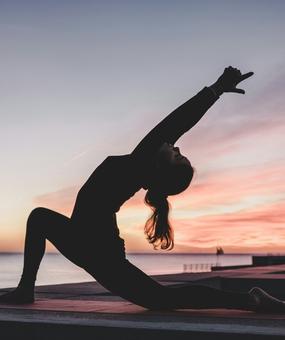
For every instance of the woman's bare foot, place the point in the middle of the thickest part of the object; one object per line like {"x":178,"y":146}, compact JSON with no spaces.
{"x":266,"y":303}
{"x":18,"y":296}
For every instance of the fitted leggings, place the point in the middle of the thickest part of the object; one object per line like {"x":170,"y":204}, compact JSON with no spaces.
{"x":116,"y":274}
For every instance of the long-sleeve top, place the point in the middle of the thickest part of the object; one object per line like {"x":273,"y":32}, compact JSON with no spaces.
{"x":118,"y":178}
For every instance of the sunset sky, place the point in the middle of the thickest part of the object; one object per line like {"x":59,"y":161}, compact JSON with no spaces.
{"x":81,"y":80}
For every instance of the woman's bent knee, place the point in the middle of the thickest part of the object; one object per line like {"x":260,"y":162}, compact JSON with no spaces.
{"x":40,"y":216}
{"x":36,"y":214}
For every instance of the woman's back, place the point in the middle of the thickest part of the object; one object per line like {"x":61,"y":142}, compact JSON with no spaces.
{"x":111,"y":184}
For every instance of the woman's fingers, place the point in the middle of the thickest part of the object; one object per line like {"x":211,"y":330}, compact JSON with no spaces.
{"x":246,"y":75}
{"x":241,"y":77}
{"x":237,"y":90}
{"x":230,"y":78}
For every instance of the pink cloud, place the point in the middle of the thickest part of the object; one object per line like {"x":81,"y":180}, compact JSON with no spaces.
{"x":260,"y":227}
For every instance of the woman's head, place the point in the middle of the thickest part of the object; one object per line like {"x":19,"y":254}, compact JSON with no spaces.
{"x":168,"y":154}
{"x":171,"y":175}
{"x":172,"y":172}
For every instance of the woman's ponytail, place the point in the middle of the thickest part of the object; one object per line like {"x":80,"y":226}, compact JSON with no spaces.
{"x":157,"y":227}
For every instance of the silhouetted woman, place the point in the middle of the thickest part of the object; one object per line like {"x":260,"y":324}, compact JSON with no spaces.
{"x":90,"y":238}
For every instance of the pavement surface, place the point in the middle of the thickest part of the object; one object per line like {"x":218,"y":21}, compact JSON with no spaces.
{"x":87,"y":310}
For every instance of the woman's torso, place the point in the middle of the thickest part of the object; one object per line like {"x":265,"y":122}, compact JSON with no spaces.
{"x":112,"y":183}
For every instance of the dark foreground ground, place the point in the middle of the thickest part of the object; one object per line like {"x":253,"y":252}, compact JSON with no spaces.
{"x":88,"y":311}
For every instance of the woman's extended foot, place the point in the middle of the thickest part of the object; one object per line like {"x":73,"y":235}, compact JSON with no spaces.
{"x":18,"y":296}
{"x":265,"y":303}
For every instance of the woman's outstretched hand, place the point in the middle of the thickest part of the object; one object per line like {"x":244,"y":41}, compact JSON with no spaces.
{"x":228,"y":81}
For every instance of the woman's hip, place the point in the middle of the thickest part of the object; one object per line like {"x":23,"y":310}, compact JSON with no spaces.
{"x":101,"y":252}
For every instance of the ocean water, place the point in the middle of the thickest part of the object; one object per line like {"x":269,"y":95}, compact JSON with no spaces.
{"x":57,"y":269}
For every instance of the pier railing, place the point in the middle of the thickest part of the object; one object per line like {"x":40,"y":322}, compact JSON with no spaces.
{"x":199,"y":267}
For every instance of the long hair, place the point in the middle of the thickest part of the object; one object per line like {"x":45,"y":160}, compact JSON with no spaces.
{"x":157,"y":227}
{"x":168,"y":182}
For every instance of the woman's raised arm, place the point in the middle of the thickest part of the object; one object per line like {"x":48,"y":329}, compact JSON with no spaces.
{"x":182,"y":119}
{"x":176,"y":123}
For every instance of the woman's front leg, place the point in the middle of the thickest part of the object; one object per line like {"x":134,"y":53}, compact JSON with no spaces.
{"x":42,"y":224}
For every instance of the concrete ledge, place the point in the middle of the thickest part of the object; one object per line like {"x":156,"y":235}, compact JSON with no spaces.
{"x":88,"y":311}
{"x":267,"y":260}
{"x":74,"y":326}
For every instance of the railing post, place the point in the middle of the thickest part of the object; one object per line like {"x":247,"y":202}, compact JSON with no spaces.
{"x":198,"y":267}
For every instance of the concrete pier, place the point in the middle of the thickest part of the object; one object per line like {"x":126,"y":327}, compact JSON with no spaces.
{"x":88,"y":311}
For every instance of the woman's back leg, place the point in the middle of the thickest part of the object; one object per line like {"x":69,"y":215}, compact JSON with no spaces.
{"x":129,"y":282}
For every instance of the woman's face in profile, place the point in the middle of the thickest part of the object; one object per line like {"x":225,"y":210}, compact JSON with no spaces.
{"x":168,"y":154}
